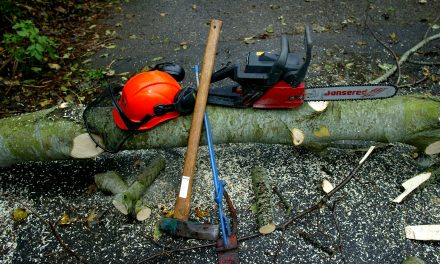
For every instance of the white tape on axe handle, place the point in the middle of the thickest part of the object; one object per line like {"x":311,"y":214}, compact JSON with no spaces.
{"x":184,"y":187}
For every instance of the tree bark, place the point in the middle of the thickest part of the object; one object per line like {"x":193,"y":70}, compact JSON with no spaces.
{"x":263,"y":199}
{"x":56,"y":133}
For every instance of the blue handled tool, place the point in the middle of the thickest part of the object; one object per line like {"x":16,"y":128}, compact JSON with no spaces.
{"x":218,"y":184}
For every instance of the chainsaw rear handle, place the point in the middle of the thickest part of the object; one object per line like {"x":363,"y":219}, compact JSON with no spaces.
{"x":279,"y":66}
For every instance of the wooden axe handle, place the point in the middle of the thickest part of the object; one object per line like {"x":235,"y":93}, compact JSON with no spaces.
{"x":182,"y":207}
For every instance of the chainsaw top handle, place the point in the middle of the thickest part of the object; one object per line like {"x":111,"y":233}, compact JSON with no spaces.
{"x":265,"y":69}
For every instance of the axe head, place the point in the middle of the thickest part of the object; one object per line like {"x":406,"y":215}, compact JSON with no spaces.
{"x":189,"y":229}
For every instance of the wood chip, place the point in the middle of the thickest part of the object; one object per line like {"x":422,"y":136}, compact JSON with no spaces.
{"x":423,"y":232}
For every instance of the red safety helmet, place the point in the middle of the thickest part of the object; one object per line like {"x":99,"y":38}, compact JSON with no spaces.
{"x":147,"y":100}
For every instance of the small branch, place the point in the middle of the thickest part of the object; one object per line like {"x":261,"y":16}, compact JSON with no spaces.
{"x":414,"y":83}
{"x":52,"y":227}
{"x":281,"y":227}
{"x":405,"y":57}
{"x":428,"y":63}
{"x":429,"y":28}
{"x":283,"y":200}
{"x":396,"y":59}
{"x":308,"y":238}
{"x":324,"y":199}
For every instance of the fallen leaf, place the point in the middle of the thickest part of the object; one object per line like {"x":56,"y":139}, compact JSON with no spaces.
{"x":36,"y":69}
{"x":201,"y":213}
{"x":54,"y":66}
{"x":111,"y":46}
{"x":349,"y":65}
{"x":45,"y":102}
{"x":349,"y":20}
{"x":92,"y":218}
{"x":269,"y":29}
{"x":184,"y":45}
{"x":157,"y":59}
{"x":435,"y":26}
{"x":92,"y":26}
{"x":163,"y":14}
{"x":118,"y":24}
{"x":194,"y":7}
{"x":110,"y":72}
{"x":249,"y":40}
{"x":66,"y":220}
{"x":319,"y":28}
{"x":92,"y":188}
{"x":393,"y":37}
{"x":426,"y":71}
{"x":362,"y":44}
{"x":87,"y":61}
{"x":281,"y":19}
{"x":422,"y":2}
{"x":19,"y":214}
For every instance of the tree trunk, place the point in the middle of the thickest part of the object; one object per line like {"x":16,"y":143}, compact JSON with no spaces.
{"x":57,"y":133}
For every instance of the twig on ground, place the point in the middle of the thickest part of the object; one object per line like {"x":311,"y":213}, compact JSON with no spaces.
{"x":283,"y":200}
{"x":405,"y":57}
{"x":281,"y":226}
{"x":324,"y":200}
{"x":396,"y":59}
{"x":428,"y":63}
{"x":52,"y":227}
{"x":429,"y":28}
{"x":308,"y":238}
{"x":414,"y":83}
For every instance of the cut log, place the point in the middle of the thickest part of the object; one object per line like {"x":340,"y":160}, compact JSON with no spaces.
{"x":127,"y":200}
{"x":263,"y":198}
{"x":49,"y":134}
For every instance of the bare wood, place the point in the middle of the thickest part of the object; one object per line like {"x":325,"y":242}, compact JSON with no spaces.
{"x":183,"y":201}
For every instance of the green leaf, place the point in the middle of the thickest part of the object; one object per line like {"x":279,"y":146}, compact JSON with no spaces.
{"x":269,"y":28}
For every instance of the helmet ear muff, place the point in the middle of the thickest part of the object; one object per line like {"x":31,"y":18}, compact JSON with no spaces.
{"x":184,"y":102}
{"x":175,"y":70}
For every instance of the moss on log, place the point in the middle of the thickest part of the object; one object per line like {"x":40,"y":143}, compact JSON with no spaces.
{"x":50,"y":134}
{"x":263,"y":199}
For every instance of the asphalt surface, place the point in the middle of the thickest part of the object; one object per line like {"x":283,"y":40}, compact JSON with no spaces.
{"x":361,"y":225}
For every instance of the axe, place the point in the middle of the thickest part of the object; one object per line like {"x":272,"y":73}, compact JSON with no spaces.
{"x":179,"y":224}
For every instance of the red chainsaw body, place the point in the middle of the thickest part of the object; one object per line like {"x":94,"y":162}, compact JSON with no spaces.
{"x":281,"y":95}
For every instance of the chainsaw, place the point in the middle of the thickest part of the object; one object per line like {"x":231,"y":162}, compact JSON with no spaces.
{"x":272,"y":80}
